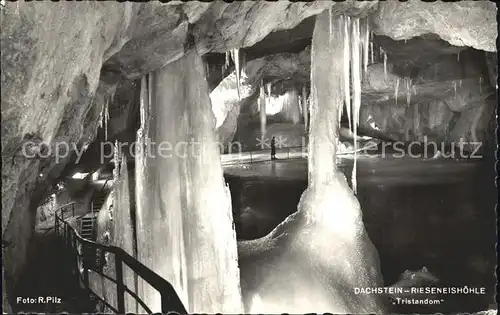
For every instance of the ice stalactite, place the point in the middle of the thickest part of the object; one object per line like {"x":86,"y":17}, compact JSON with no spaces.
{"x":416,"y":120}
{"x":305,"y":108}
{"x":480,"y":84}
{"x":262,"y":109}
{"x":478,"y":114}
{"x":331,"y":38}
{"x":372,"y":53}
{"x":460,"y":83}
{"x":458,"y":56}
{"x":409,"y":86}
{"x":236,"y":58}
{"x":384,"y":54}
{"x":356,"y":87}
{"x":104,"y":119}
{"x":346,"y":67}
{"x":184,"y":216}
{"x":293,"y":106}
{"x":455,"y":88}
{"x":268,"y":89}
{"x":366,"y":44}
{"x":396,"y":91}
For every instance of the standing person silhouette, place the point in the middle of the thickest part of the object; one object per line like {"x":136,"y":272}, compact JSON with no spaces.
{"x":273,"y":149}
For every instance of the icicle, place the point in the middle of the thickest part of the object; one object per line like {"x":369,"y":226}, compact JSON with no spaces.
{"x":385,"y":64}
{"x":414,"y":90}
{"x":480,"y":84}
{"x":106,"y":119}
{"x":142,"y":105}
{"x":305,"y":108}
{"x":243,"y":62}
{"x":262,"y":109}
{"x":330,"y":20}
{"x":228,"y":61}
{"x":396,"y":91}
{"x":236,"y":58}
{"x":366,"y":41}
{"x":408,"y":91}
{"x":460,"y":83}
{"x":347,"y":58}
{"x":207,"y":69}
{"x":455,"y":87}
{"x":406,"y":41}
{"x":458,"y":57}
{"x":268,"y":88}
{"x":356,"y":78}
{"x":339,"y":26}
{"x":116,"y":161}
{"x":372,"y":58}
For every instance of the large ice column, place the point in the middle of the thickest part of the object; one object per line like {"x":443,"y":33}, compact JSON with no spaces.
{"x":184,"y":217}
{"x":328,"y":204}
{"x":123,"y":231}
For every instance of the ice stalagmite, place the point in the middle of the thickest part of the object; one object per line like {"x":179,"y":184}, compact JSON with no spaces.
{"x":184,"y":217}
{"x":305,"y":108}
{"x":356,"y":87}
{"x":262,"y":109}
{"x":346,"y":67}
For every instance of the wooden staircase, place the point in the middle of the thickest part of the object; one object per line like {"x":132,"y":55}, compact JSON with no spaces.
{"x":88,"y":228}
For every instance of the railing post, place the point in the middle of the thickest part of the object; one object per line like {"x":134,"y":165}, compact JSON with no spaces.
{"x":120,"y":288}
{"x":84,"y":265}
{"x":75,"y":255}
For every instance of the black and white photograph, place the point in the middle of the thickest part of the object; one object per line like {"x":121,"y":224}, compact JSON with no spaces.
{"x":249,"y":157}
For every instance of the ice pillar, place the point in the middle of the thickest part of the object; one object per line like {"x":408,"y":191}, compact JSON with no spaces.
{"x":327,"y":94}
{"x":328,"y":203}
{"x":123,"y":230}
{"x":185,"y":225}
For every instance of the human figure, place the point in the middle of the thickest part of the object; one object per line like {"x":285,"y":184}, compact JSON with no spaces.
{"x":273,"y":148}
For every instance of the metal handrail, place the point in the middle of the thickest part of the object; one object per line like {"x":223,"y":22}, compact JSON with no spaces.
{"x":251,"y":154}
{"x":170,"y":301}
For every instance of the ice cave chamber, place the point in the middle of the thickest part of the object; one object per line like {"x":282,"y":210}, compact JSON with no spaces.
{"x":249,"y":157}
